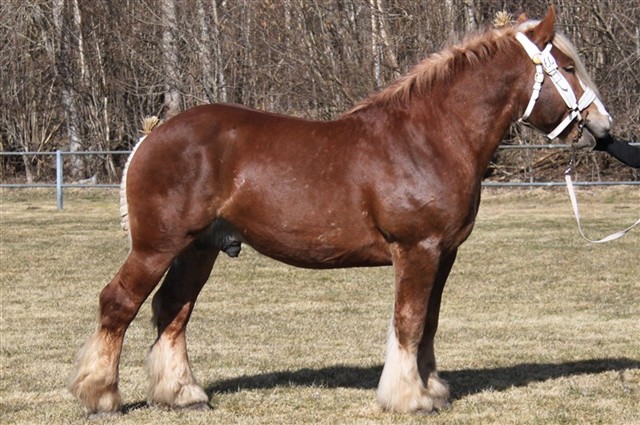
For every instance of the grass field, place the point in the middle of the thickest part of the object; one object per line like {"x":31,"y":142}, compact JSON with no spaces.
{"x":537,"y":325}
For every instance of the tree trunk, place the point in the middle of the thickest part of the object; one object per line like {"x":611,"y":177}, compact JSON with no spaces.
{"x":65,"y":70}
{"x":470,"y":13}
{"x":389,"y":54}
{"x":204,"y":53}
{"x":217,"y":49}
{"x":172,"y":97}
{"x":376,"y":51}
{"x":249,"y":85}
{"x":451,"y":16}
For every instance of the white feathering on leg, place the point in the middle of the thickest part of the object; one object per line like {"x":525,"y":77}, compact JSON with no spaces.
{"x":401,"y":389}
{"x":171,"y":380}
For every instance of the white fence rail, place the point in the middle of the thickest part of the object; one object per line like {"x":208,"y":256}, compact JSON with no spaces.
{"x":60,"y":185}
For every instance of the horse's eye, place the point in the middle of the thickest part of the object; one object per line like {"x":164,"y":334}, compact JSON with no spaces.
{"x":570,"y":69}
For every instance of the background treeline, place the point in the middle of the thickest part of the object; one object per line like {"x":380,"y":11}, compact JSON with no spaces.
{"x":81,"y":74}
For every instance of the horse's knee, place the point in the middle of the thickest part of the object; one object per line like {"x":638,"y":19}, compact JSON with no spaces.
{"x":117,"y":306}
{"x":122,"y":297}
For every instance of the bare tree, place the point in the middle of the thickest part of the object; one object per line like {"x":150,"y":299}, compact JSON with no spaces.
{"x":29,"y":120}
{"x":217,"y":51}
{"x":381,"y":47}
{"x":172,"y":96}
{"x":470,"y":14}
{"x":80,"y":74}
{"x":67,"y":71}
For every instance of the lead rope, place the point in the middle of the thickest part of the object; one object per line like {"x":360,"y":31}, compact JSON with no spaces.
{"x":574,"y":202}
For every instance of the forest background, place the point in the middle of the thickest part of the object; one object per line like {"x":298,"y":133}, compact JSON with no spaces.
{"x":80,"y":75}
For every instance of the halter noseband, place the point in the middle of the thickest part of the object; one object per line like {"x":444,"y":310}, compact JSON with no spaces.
{"x":546,"y":64}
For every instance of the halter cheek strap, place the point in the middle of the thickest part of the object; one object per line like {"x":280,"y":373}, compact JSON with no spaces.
{"x":546,"y":65}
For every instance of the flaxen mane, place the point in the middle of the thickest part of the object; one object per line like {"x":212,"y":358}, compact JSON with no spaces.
{"x":148,"y":124}
{"x":439,"y":67}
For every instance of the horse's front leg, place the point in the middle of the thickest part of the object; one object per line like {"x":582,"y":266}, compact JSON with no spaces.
{"x":409,"y":381}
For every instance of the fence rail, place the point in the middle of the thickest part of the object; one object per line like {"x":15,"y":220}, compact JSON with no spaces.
{"x":60,"y":185}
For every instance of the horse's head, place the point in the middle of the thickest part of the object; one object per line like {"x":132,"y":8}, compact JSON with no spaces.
{"x":564,"y":102}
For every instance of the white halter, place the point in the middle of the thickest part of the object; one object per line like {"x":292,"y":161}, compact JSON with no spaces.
{"x":546,"y":64}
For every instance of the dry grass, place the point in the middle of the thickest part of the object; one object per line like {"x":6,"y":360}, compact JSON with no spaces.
{"x":537,"y":325}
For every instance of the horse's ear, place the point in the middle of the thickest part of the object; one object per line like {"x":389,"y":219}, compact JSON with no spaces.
{"x":522,"y":18}
{"x":543,"y":33}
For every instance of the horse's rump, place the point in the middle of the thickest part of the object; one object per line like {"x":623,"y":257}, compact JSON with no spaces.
{"x":148,"y":124}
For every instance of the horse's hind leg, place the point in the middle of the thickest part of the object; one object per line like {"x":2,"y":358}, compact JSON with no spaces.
{"x":94,"y":379}
{"x":171,"y":380}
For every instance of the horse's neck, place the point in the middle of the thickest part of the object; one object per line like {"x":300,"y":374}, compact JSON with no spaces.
{"x":480,"y":104}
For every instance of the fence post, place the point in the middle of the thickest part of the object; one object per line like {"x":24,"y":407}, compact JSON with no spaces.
{"x":59,"y":178}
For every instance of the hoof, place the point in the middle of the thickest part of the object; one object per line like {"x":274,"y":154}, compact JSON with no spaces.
{"x":127,"y":408}
{"x":435,"y":411}
{"x":444,"y":406}
{"x":195,"y":407}
{"x":426,"y":413}
{"x":104,"y":415}
{"x":200,"y":407}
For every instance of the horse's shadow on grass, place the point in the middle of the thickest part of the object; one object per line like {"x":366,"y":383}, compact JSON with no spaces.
{"x":463,"y":382}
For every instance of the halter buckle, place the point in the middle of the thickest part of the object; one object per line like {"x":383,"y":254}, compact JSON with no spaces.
{"x":548,"y":62}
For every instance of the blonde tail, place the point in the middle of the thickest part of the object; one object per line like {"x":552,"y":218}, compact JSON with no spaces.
{"x":148,"y":124}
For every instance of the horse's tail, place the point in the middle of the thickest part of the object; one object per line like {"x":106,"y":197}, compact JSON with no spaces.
{"x":148,"y":124}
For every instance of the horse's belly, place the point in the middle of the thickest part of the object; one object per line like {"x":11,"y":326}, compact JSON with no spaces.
{"x":317,"y":246}
{"x":326,"y":257}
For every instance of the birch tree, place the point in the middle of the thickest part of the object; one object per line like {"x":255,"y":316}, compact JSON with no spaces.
{"x":383,"y":48}
{"x":221,"y":83}
{"x":204,"y":53}
{"x":172,"y":96}
{"x":66,"y":70}
{"x":470,"y":15}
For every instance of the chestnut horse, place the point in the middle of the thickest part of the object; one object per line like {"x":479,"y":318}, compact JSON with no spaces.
{"x":394,"y":181}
